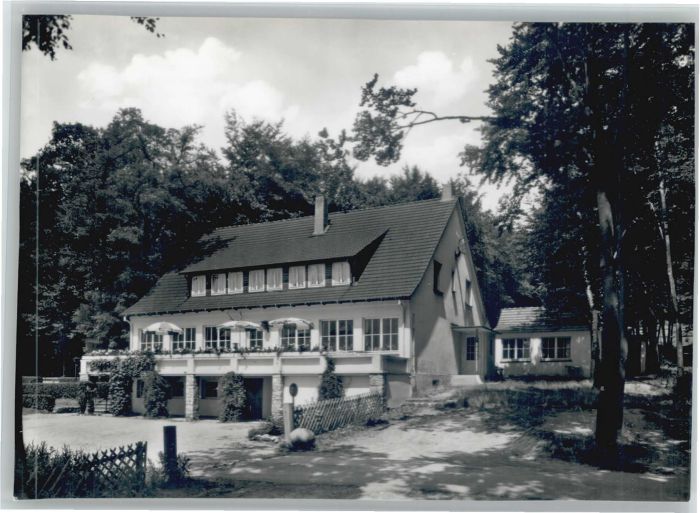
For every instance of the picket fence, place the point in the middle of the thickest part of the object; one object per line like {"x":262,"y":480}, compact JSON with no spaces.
{"x":330,"y":414}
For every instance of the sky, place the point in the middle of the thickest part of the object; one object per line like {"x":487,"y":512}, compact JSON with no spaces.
{"x":308,"y":72}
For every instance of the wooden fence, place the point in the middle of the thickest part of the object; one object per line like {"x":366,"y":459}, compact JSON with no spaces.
{"x":104,"y":473}
{"x":330,"y":414}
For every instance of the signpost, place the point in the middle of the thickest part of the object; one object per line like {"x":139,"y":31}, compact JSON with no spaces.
{"x":288,"y":411}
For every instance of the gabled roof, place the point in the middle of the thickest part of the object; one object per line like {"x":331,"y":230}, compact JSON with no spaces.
{"x":537,"y":319}
{"x":411,"y":234}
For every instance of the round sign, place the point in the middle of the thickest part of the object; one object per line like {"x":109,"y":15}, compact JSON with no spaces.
{"x":293,"y":389}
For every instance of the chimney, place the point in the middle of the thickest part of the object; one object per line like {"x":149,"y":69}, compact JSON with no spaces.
{"x":448,"y":192}
{"x":320,"y":216}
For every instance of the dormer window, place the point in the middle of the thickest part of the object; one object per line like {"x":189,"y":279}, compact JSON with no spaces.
{"x":199,"y":285}
{"x":437,"y":267}
{"x":218,"y":284}
{"x":256,"y":281}
{"x":297,"y":277}
{"x":274,"y":279}
{"x":341,"y":273}
{"x":317,"y":275}
{"x":235,"y":283}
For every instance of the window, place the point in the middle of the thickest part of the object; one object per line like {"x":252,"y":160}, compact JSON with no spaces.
{"x":256,"y":281}
{"x":235,"y":283}
{"x":317,"y":275}
{"x":381,"y":334}
{"x":297,"y":277}
{"x":151,"y":341}
{"x":472,"y":346}
{"x":139,"y":388}
{"x":293,"y":338}
{"x":208,"y":389}
{"x":468,"y":293}
{"x":199,"y":285}
{"x":255,"y":339}
{"x":218,"y":284}
{"x":340,"y":273}
{"x":217,"y":337}
{"x":177,"y":386}
{"x":336,"y":335}
{"x":437,"y":266}
{"x":556,"y":348}
{"x":516,"y":349}
{"x":184,"y":340}
{"x":274,"y":279}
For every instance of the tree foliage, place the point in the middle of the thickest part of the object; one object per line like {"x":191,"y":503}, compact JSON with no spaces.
{"x":331,"y":385}
{"x":156,"y":392}
{"x":233,"y":397}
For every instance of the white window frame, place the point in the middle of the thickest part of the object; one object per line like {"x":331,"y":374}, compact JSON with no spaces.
{"x":332,"y":341}
{"x":256,"y":272}
{"x":150,"y":341}
{"x":380,"y":337}
{"x":249,"y":338}
{"x":219,"y":342}
{"x":189,"y":337}
{"x":320,"y":268}
{"x":338,"y":269}
{"x":293,"y":343}
{"x":473,"y":343}
{"x":298,"y":271}
{"x":520,"y":350}
{"x":270,"y":275}
{"x":235,"y":282}
{"x":220,"y":280}
{"x":199,"y":285}
{"x":560,"y":343}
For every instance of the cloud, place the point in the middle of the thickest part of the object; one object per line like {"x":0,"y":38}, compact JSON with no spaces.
{"x":438,"y":80}
{"x":183,"y":86}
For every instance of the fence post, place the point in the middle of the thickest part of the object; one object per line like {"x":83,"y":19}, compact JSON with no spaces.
{"x":170,"y":453}
{"x":288,"y":418}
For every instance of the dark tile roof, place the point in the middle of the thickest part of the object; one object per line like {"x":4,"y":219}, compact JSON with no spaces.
{"x":412,"y":231}
{"x":537,"y":319}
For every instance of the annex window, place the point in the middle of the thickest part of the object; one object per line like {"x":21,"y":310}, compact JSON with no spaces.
{"x":297,"y":277}
{"x":468,"y":293}
{"x":437,"y":267}
{"x":381,"y":334}
{"x":336,"y":335}
{"x":151,"y":341}
{"x":217,"y":337}
{"x":340,"y":273}
{"x":235,"y":282}
{"x":218,"y":284}
{"x":199,"y":285}
{"x":516,"y":349}
{"x":184,"y":340}
{"x":208,"y":389}
{"x":317,"y":275}
{"x":295,"y":339}
{"x":556,"y":348}
{"x":472,"y":349}
{"x":274,"y":279}
{"x":255,"y":339}
{"x":256,"y":281}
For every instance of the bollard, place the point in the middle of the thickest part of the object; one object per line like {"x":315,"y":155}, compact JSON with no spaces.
{"x":288,"y":418}
{"x":170,"y":453}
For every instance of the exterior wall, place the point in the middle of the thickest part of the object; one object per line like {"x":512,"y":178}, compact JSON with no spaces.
{"x":438,"y":350}
{"x":535,"y":366}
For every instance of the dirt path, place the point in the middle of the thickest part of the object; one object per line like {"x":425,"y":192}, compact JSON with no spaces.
{"x":451,"y":455}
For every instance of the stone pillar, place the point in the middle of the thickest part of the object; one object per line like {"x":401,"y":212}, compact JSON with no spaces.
{"x":191,"y":397}
{"x":377,"y":384}
{"x":277,"y":397}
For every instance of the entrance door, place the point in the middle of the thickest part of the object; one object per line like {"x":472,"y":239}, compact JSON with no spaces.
{"x":471,"y":356}
{"x":254,"y":396}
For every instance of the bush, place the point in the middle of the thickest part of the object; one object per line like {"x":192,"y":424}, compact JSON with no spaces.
{"x":156,"y":392}
{"x":175,"y":475}
{"x":120,"y":384}
{"x":39,"y":402}
{"x":56,"y":390}
{"x":233,"y":397}
{"x":331,"y":386}
{"x":267,"y":428}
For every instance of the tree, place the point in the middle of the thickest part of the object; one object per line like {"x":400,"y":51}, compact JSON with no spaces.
{"x":331,"y":386}
{"x":234,"y":400}
{"x":50,"y":32}
{"x":574,"y":116}
{"x":156,"y":392}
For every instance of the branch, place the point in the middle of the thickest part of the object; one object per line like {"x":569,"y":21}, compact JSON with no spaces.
{"x":434,"y":117}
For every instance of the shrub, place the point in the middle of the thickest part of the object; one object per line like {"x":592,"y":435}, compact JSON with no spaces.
{"x":331,"y":386}
{"x":39,"y":402}
{"x":156,"y":392}
{"x":233,"y":397}
{"x":69,"y":390}
{"x":173,"y":475}
{"x":103,"y":365}
{"x":120,"y":383}
{"x":267,"y":428}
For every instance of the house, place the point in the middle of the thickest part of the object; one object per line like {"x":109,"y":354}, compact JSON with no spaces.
{"x":532,"y":341}
{"x":390,"y":293}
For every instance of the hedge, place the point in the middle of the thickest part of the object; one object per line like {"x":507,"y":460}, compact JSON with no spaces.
{"x":40,"y":402}
{"x":55,"y":390}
